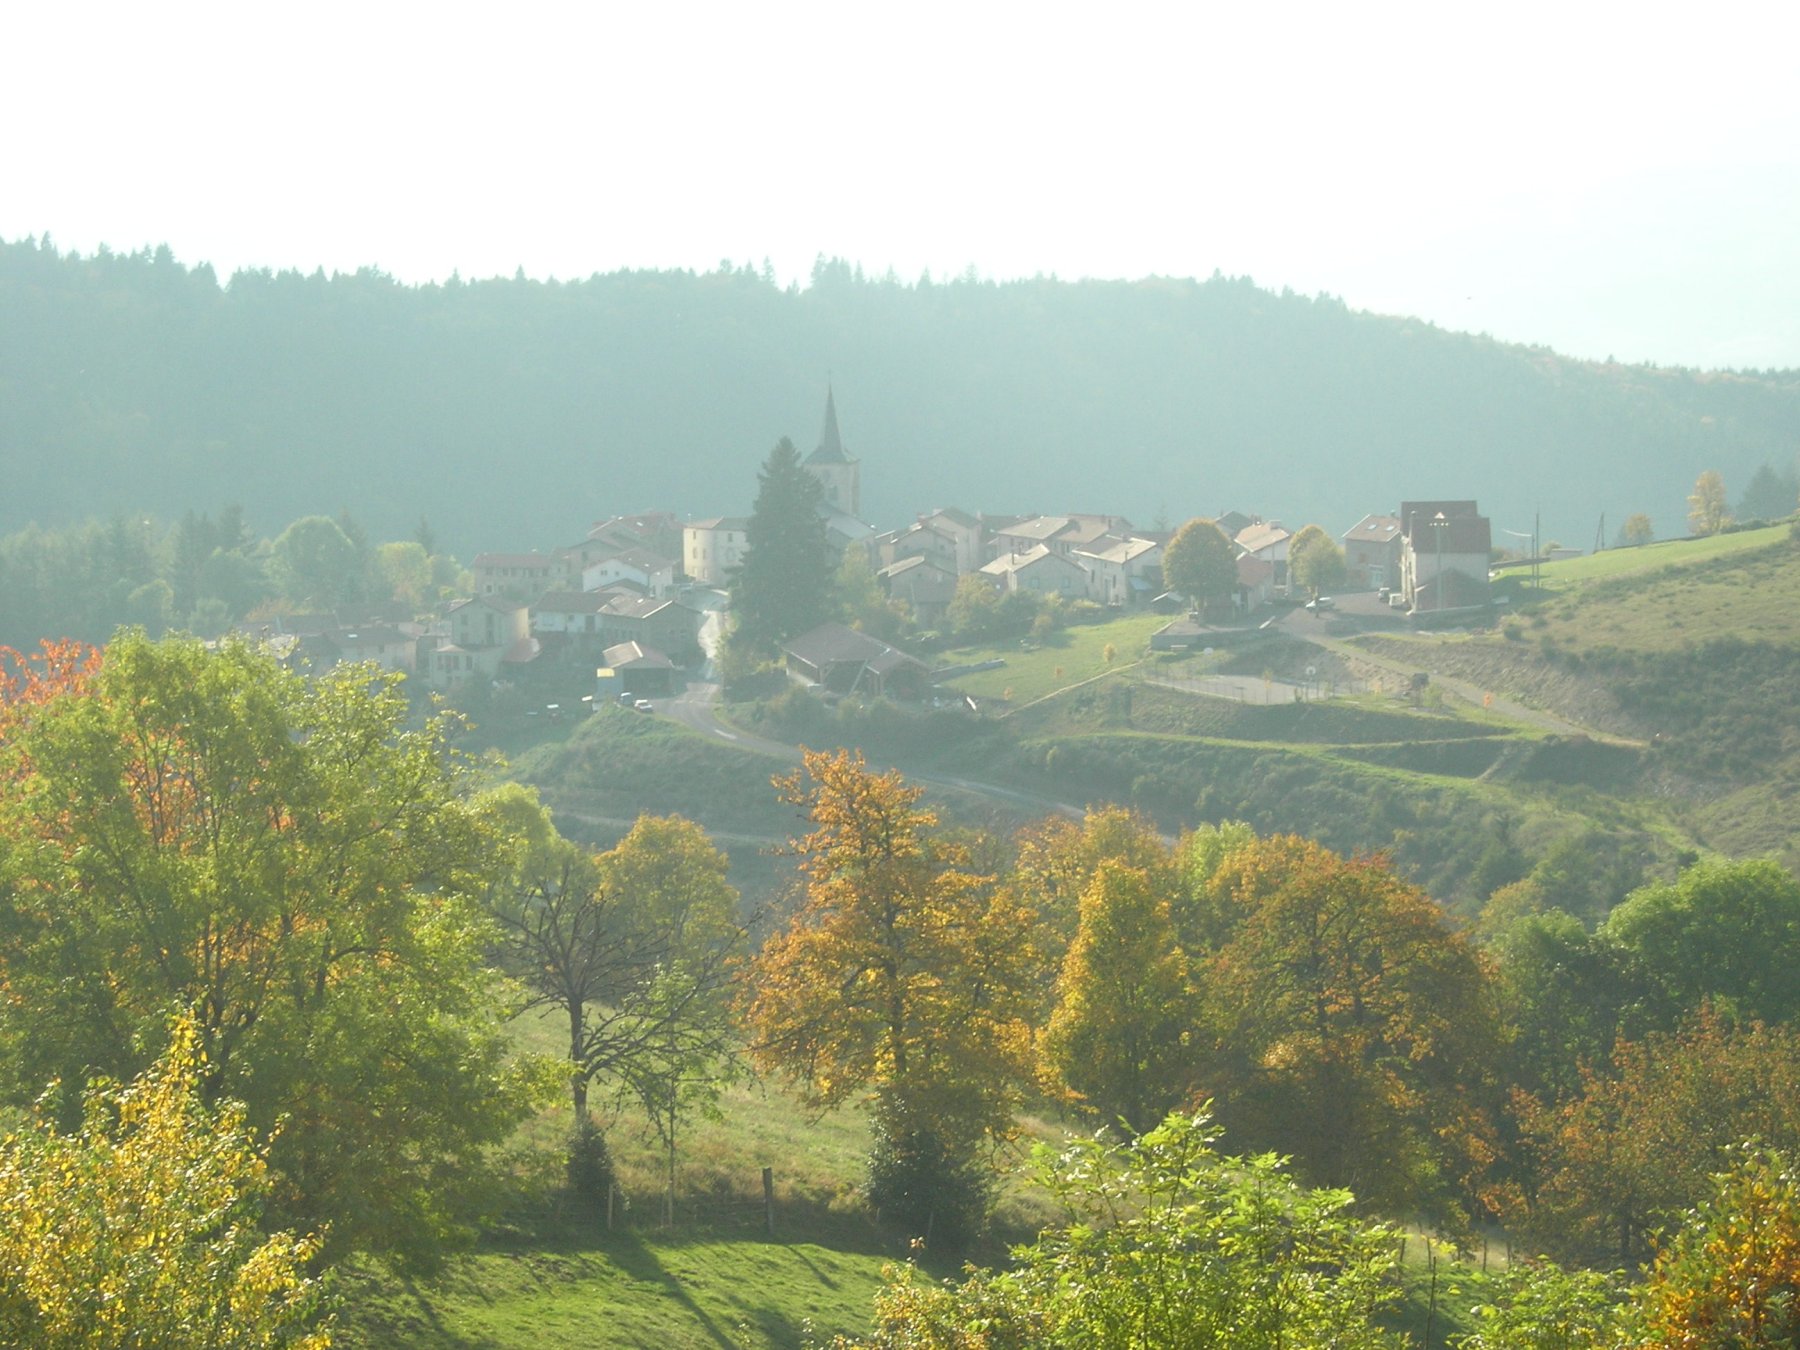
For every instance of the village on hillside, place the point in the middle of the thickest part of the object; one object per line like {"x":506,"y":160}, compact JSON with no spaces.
{"x":641,"y":598}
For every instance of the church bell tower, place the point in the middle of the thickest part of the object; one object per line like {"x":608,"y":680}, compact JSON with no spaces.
{"x":839,"y":475}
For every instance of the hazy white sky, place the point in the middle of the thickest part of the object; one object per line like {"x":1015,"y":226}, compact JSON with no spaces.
{"x":1606,"y":179}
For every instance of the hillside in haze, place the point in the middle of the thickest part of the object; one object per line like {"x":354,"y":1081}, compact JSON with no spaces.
{"x":513,"y":412}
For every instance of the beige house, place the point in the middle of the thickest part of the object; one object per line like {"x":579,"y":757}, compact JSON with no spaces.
{"x":1039,"y":571}
{"x":663,"y":624}
{"x":488,"y":621}
{"x":1372,"y":552}
{"x":574,"y":613}
{"x":966,"y":533}
{"x":486,"y":635}
{"x":1266,"y":541}
{"x":712,"y":549}
{"x":917,"y":541}
{"x":520,"y":575}
{"x":1027,"y":533}
{"x":658,"y":531}
{"x":924,"y":585}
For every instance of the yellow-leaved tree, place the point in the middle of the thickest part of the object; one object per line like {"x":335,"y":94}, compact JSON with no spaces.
{"x":140,"y":1227}
{"x":905,"y":978}
{"x":1119,"y":1037}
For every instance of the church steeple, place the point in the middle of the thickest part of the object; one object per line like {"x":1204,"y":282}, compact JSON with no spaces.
{"x":831,"y":445}
{"x":839,"y":475}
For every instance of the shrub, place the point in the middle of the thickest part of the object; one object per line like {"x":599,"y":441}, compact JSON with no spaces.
{"x":590,"y":1164}
{"x":932,"y":1186}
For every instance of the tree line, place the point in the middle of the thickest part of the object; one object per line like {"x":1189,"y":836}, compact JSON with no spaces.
{"x":132,"y":380}
{"x":201,"y":573}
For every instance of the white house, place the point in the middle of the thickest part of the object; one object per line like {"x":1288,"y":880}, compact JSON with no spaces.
{"x":638,"y":566}
{"x":1122,"y":572}
{"x":1444,"y":556}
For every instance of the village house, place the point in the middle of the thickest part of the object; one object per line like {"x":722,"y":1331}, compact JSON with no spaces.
{"x":631,"y":667}
{"x":1266,"y":541}
{"x":1123,"y":572}
{"x":844,"y":661}
{"x":712,"y":549}
{"x":917,"y":541}
{"x":651,"y":572}
{"x":923,"y":585}
{"x":572,"y":614}
{"x":1372,"y":552}
{"x":657,"y":531}
{"x":843,"y":530}
{"x":1231,"y":522}
{"x":385,"y":634}
{"x":1027,"y":533}
{"x":666,"y":625}
{"x":1255,"y":583}
{"x":390,"y":646}
{"x":1444,"y":556}
{"x":1039,"y":571}
{"x":519,"y":575}
{"x":484,"y":635}
{"x":967,"y":534}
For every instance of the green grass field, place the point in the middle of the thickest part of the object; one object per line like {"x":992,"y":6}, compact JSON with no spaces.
{"x":1065,"y":658}
{"x":1741,"y":586}
{"x":1619,"y":562}
{"x":625,"y":1290}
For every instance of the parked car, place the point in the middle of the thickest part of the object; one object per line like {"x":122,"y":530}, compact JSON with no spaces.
{"x":644,"y":705}
{"x":1322,"y":603}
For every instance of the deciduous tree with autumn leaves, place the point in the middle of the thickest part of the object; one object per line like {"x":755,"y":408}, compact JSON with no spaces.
{"x":904,"y":977}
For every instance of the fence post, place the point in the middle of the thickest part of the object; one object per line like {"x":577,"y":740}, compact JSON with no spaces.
{"x":612,"y":1189}
{"x":769,"y":1200}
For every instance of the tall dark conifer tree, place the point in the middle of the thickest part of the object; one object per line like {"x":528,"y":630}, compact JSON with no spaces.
{"x":783,"y":585}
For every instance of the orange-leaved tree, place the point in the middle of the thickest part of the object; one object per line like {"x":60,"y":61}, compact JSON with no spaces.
{"x":1648,"y":1131}
{"x":1349,"y":1025}
{"x":28,"y":681}
{"x":903,"y":978}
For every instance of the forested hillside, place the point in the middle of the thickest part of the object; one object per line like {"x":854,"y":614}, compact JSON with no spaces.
{"x":512,"y":411}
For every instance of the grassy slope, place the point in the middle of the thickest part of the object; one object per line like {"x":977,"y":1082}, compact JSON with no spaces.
{"x":1690,"y":645}
{"x":1665,"y":597}
{"x":1065,"y":658}
{"x":624,"y":1290}
{"x":714,"y":1278}
{"x":1434,"y":787}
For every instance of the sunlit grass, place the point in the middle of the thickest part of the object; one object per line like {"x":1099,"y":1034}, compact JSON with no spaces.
{"x":1035,"y":668}
{"x":1617,"y":562}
